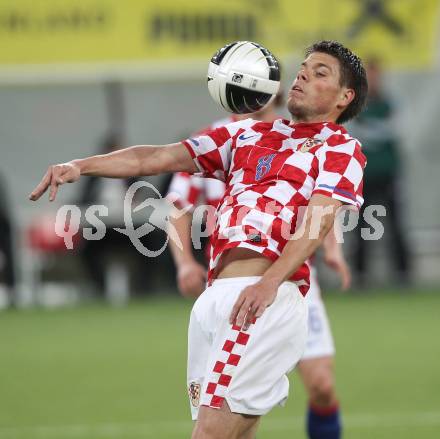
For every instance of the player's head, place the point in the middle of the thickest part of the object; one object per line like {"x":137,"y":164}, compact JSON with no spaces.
{"x":331,"y":84}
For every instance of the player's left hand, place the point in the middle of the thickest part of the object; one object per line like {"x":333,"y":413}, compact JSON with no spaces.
{"x":252,"y":302}
{"x":55,"y":176}
{"x":191,"y":279}
{"x":336,"y":261}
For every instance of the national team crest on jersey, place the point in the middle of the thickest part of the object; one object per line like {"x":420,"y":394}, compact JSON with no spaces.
{"x":309,"y":144}
{"x":194,"y":393}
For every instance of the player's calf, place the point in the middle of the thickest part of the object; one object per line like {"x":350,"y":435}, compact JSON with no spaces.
{"x":322,"y":391}
{"x":317,"y":376}
{"x":323,"y":417}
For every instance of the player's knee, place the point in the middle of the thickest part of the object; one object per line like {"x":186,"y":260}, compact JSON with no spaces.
{"x":322,"y":391}
{"x":207,"y":429}
{"x":203,"y":430}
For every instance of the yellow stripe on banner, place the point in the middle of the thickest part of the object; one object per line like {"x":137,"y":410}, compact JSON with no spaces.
{"x":401,"y":32}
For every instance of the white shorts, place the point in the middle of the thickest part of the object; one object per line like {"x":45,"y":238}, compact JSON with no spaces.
{"x":245,"y":369}
{"x":319,"y":340}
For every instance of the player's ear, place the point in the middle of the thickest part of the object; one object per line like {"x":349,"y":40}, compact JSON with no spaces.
{"x":346,"y":97}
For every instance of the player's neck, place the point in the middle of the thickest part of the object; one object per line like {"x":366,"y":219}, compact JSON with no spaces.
{"x":270,"y":117}
{"x":311,"y":120}
{"x":265,"y":116}
{"x":332,"y":116}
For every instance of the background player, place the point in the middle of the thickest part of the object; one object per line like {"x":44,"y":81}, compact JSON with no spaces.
{"x":375,"y":128}
{"x":240,"y":359}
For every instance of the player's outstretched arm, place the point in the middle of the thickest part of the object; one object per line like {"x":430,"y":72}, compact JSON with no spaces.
{"x":254,"y":299}
{"x":134,"y":161}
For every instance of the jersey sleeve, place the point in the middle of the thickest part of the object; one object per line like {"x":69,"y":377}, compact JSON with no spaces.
{"x":212,"y":150}
{"x":341,"y":166}
{"x":185,"y":190}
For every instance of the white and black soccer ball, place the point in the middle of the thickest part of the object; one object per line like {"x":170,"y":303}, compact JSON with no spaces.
{"x":243,"y":77}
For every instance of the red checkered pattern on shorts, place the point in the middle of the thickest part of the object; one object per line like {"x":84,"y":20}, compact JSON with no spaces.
{"x":271,"y":170}
{"x":223,"y":371}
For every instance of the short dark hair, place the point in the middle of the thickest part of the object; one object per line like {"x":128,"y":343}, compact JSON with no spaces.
{"x":353,"y":75}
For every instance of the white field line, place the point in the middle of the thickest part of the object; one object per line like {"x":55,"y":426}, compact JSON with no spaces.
{"x":153,"y":429}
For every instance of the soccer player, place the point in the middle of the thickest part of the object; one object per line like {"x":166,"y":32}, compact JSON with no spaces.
{"x":316,"y":364}
{"x":248,"y":329}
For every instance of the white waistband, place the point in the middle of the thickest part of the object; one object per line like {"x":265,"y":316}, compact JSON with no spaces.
{"x":232,"y":280}
{"x":241,"y":280}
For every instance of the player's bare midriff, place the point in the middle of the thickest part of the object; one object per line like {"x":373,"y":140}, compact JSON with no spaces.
{"x":241,"y":262}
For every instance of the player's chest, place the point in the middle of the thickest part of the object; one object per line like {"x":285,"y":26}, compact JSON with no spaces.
{"x":275,"y":159}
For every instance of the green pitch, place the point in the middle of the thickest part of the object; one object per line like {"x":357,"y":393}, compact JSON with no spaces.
{"x":94,"y":372}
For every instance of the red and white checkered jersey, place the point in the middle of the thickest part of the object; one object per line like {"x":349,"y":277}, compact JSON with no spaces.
{"x":188,"y":190}
{"x":271,"y":170}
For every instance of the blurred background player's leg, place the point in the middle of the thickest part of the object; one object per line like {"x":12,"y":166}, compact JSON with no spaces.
{"x":398,"y":247}
{"x":323,"y":418}
{"x":316,"y":369}
{"x":381,"y":143}
{"x":383,"y":192}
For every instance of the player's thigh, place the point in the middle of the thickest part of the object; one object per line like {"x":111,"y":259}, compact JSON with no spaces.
{"x":199,"y":346}
{"x":223,"y":424}
{"x":275,"y":345}
{"x":226,"y":364}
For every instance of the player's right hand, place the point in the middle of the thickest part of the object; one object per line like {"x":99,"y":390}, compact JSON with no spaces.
{"x":252,"y":302}
{"x":191,"y":279}
{"x":55,"y":176}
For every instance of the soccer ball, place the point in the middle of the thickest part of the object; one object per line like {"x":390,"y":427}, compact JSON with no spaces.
{"x":243,"y":77}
